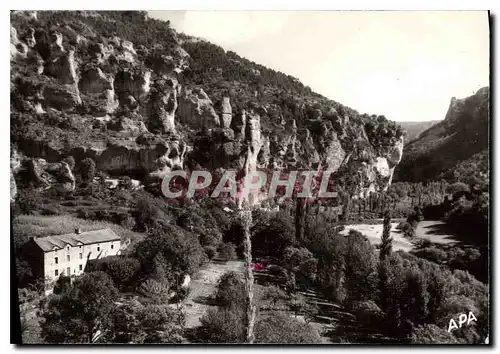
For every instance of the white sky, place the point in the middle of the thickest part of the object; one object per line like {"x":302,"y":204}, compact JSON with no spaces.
{"x":404,"y":64}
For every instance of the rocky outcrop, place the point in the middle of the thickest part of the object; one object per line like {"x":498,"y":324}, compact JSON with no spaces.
{"x":155,"y":159}
{"x":17,"y":48}
{"x":227,"y":112}
{"x":135,"y":83}
{"x":15,"y":165}
{"x":463,"y":133}
{"x":62,"y":98}
{"x":29,"y":38}
{"x":196,"y":109}
{"x":128,"y":126}
{"x":63,"y":67}
{"x":94,"y":80}
{"x":51,"y":175}
{"x":13,"y":188}
{"x":161,"y":107}
{"x":254,"y":140}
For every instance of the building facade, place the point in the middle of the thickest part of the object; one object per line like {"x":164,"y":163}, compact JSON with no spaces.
{"x":67,"y":255}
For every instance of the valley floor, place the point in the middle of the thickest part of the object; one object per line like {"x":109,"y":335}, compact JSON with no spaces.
{"x":435,"y":231}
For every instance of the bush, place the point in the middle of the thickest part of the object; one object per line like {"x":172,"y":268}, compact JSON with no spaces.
{"x":227,"y":251}
{"x":210,"y":251}
{"x":231,"y":291}
{"x":368,"y":312}
{"x":432,"y":334}
{"x":88,"y":169}
{"x":154,"y":289}
{"x":280,"y":328}
{"x":224,"y":325}
{"x":123,"y":270}
{"x":70,"y":160}
{"x":432,"y":254}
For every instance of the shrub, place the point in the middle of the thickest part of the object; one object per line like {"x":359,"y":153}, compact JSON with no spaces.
{"x":432,"y":334}
{"x":231,"y":291}
{"x":227,"y":251}
{"x":155,"y":290}
{"x":210,"y":251}
{"x":88,"y":169}
{"x":432,"y":254}
{"x":122,"y":269}
{"x":70,"y":160}
{"x":368,"y":312}
{"x":280,"y":328}
{"x":223,"y":325}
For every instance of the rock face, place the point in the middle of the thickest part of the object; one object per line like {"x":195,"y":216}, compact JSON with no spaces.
{"x":227,"y":113}
{"x":62,"y":98}
{"x":162,"y":106}
{"x":196,"y":109}
{"x":15,"y":165}
{"x":463,"y":133}
{"x":141,"y":119}
{"x":95,"y":81}
{"x":51,"y":175}
{"x":17,"y":48}
{"x":132,"y":83}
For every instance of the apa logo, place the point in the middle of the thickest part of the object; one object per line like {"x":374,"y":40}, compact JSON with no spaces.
{"x":461,"y":320}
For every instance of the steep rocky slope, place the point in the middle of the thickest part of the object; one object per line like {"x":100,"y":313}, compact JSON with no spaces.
{"x":140,"y":100}
{"x":460,"y":137}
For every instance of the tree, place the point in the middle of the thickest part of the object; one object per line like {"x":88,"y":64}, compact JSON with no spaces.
{"x":227,"y":251}
{"x":70,"y":160}
{"x":386,"y":245}
{"x":301,"y":262}
{"x":123,"y":270}
{"x":231,"y":291}
{"x":135,"y":323}
{"x":88,"y":169}
{"x":180,"y":250}
{"x":432,"y":334}
{"x":360,"y":276}
{"x":272,"y":236}
{"x":82,"y":313}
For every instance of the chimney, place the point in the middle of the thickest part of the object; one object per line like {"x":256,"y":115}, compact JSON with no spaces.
{"x":78,"y":231}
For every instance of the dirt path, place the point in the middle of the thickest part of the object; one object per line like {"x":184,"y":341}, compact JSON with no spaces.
{"x":203,"y":286}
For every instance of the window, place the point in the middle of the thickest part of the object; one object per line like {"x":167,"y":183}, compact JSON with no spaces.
{"x":98,"y":248}
{"x":81,"y":255}
{"x":68,"y":270}
{"x":56,"y":272}
{"x":111,"y":246}
{"x":80,"y":267}
{"x":68,"y":258}
{"x":80,"y":246}
{"x":56,"y":261}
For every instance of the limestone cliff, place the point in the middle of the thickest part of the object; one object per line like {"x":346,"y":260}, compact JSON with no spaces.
{"x":140,"y":105}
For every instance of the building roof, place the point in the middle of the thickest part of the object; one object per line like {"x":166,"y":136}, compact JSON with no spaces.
{"x":84,"y":238}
